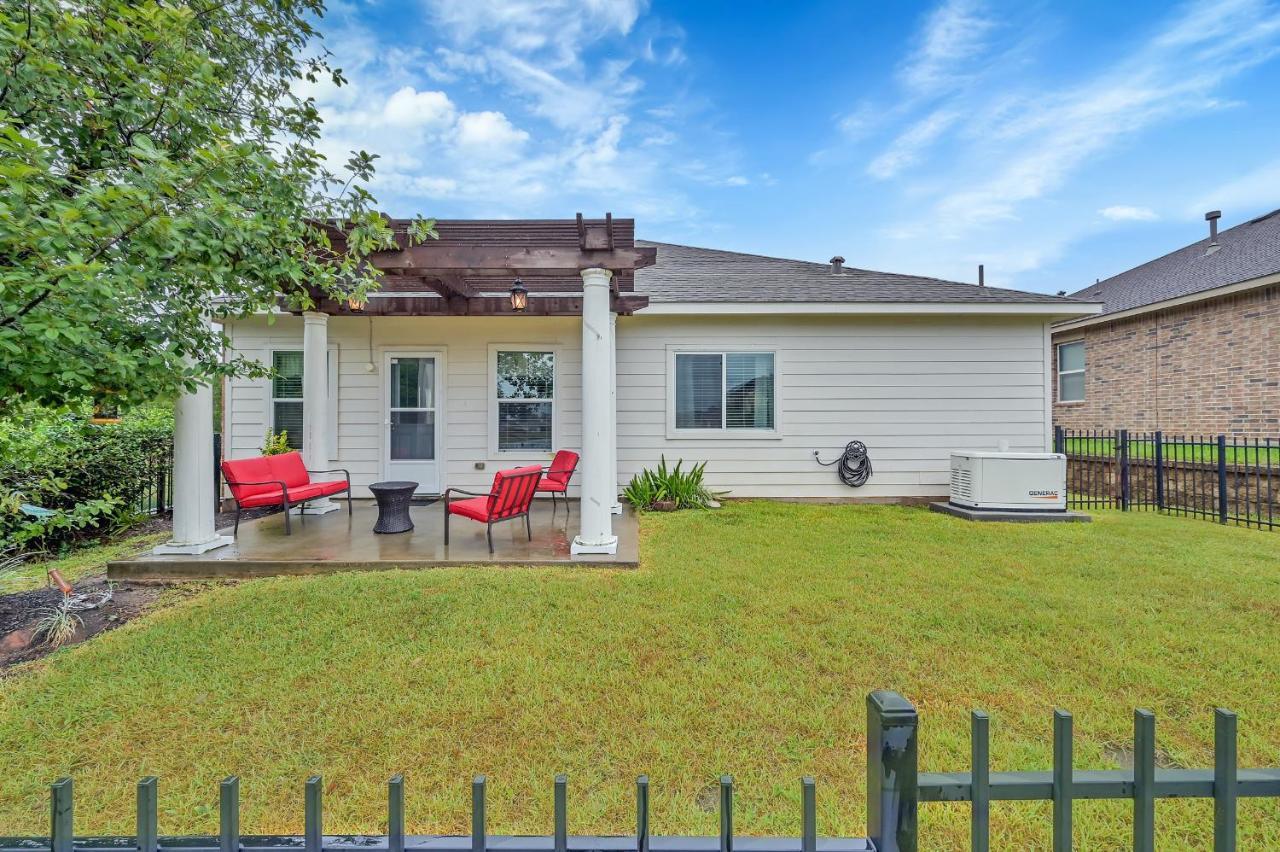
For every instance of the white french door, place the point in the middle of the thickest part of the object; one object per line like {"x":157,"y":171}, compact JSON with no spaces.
{"x":413,"y":427}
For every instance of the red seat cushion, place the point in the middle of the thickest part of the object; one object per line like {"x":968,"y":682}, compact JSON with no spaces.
{"x":475,"y":508}
{"x":560,"y":472}
{"x":549,"y":485}
{"x":331,"y":486}
{"x":273,"y":498}
{"x":289,"y":468}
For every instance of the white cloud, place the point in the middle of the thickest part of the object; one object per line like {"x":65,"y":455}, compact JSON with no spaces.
{"x":1018,"y":148}
{"x":1128,"y":213}
{"x":954,"y":33}
{"x":408,"y":107}
{"x":736,"y":180}
{"x":489,"y":135}
{"x":906,"y":149}
{"x":1258,"y":190}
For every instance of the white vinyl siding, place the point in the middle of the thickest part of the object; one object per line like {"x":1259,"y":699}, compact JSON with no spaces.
{"x":1071,"y":371}
{"x":913,"y":388}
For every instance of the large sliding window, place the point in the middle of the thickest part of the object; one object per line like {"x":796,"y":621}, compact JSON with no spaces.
{"x":525,"y":400}
{"x":725,"y":390}
{"x":286,"y":395}
{"x":1071,"y":371}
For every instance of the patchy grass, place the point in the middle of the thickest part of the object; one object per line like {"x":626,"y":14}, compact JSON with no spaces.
{"x":746,"y":644}
{"x":78,"y":564}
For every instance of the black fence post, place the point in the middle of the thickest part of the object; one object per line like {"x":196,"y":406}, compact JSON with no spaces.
{"x":1222,"y":479}
{"x":217,"y":472}
{"x":893,"y":797}
{"x":1059,"y":440}
{"x":1159,"y":469}
{"x":1122,"y":449}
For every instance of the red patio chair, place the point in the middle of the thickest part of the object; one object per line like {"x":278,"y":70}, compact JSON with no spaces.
{"x":555,"y":478}
{"x":509,"y":499}
{"x":280,"y":480}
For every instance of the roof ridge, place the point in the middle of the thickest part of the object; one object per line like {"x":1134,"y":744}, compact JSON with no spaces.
{"x":1254,"y":221}
{"x":821,"y":265}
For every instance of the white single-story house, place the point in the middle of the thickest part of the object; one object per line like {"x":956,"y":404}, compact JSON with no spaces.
{"x":748,"y":363}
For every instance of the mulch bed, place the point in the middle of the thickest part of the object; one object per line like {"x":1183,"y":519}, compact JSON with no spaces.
{"x":19,"y":613}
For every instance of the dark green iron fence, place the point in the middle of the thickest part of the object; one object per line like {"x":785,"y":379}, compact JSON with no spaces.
{"x":895,"y":789}
{"x":1230,"y":479}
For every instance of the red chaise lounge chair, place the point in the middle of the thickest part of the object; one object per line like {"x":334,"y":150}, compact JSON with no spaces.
{"x":508,"y":499}
{"x":280,"y":480}
{"x":555,"y":479}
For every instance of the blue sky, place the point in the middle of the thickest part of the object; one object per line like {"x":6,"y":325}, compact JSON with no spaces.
{"x":1055,"y":143}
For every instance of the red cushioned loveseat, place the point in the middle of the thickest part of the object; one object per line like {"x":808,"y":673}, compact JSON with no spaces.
{"x":280,"y":480}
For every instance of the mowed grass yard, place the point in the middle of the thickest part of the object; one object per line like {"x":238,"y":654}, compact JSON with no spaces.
{"x":746,"y":644}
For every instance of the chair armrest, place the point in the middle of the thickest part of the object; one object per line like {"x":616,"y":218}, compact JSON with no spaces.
{"x":449,"y":491}
{"x":279,"y":482}
{"x":341,"y":470}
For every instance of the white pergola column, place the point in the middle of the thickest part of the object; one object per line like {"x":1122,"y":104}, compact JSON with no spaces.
{"x":616,"y":506}
{"x":193,"y":495}
{"x":315,"y":402}
{"x":598,"y":481}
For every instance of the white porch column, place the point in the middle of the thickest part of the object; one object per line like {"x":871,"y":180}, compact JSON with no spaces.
{"x":315,"y":401}
{"x":598,"y":484}
{"x":615,"y":507}
{"x":193,"y":509}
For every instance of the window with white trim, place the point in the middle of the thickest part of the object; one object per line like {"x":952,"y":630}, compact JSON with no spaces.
{"x":724,"y":390}
{"x":1071,"y":371}
{"x":286,"y":394}
{"x":525,"y":391}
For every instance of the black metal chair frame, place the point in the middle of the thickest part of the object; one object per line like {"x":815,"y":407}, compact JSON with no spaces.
{"x":284,"y":500}
{"x":488,"y":527}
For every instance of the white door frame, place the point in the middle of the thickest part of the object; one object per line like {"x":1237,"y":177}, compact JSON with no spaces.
{"x":384,"y":402}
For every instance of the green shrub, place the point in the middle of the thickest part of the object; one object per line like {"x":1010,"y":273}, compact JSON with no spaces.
{"x":276,"y":443}
{"x":683,"y":489}
{"x":90,"y":475}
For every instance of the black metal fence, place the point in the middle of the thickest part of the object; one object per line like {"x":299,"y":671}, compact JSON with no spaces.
{"x":155,"y":494}
{"x":895,"y":789}
{"x":1225,"y":478}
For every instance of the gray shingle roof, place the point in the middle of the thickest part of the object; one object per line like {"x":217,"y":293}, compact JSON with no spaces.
{"x":1247,"y":251}
{"x":688,"y":274}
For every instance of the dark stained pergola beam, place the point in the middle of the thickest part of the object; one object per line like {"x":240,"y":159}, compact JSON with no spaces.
{"x":440,"y":259}
{"x":539,"y":306}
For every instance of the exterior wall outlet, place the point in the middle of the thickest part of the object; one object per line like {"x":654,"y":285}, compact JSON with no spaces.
{"x":479,"y":465}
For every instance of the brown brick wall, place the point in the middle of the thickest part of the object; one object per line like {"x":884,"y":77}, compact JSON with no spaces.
{"x":1207,"y":367}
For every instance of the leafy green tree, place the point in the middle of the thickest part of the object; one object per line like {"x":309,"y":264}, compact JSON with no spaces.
{"x":158,"y":166}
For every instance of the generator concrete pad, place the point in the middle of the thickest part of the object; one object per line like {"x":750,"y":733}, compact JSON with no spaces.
{"x":1067,"y":517}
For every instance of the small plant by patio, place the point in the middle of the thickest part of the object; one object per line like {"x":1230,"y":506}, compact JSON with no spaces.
{"x":276,"y":443}
{"x":668,"y":489}
{"x":58,"y":623}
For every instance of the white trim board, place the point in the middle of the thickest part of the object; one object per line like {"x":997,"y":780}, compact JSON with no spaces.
{"x":1049,"y":310}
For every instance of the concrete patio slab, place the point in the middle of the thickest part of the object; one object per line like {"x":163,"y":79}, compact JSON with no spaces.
{"x":335,"y":542}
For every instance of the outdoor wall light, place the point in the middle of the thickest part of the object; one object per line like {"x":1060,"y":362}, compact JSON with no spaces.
{"x":356,"y":306}
{"x":519,"y":297}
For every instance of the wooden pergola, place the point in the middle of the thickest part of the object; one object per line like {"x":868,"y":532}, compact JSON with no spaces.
{"x":470,"y":269}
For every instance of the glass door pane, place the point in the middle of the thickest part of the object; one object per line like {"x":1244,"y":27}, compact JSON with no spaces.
{"x":412,"y":409}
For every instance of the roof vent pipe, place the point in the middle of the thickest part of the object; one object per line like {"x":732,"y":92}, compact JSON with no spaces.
{"x":982,"y":277}
{"x":1212,"y":218}
{"x":837,"y":265}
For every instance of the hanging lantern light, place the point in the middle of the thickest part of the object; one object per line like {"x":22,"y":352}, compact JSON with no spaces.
{"x":356,"y":306}
{"x":519,"y":297}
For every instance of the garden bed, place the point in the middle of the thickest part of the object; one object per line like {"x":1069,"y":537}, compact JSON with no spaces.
{"x":19,"y":613}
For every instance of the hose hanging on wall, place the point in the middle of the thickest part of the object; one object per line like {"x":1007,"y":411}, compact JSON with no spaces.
{"x":854,"y":464}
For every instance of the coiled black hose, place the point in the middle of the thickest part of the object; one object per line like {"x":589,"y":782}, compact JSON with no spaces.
{"x":854,"y":464}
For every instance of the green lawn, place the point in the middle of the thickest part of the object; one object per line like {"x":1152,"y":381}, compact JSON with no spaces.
{"x":77,"y":564}
{"x":746,"y":645}
{"x":1197,"y":452}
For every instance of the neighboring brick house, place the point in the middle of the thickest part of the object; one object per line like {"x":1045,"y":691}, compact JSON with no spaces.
{"x":1187,"y":343}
